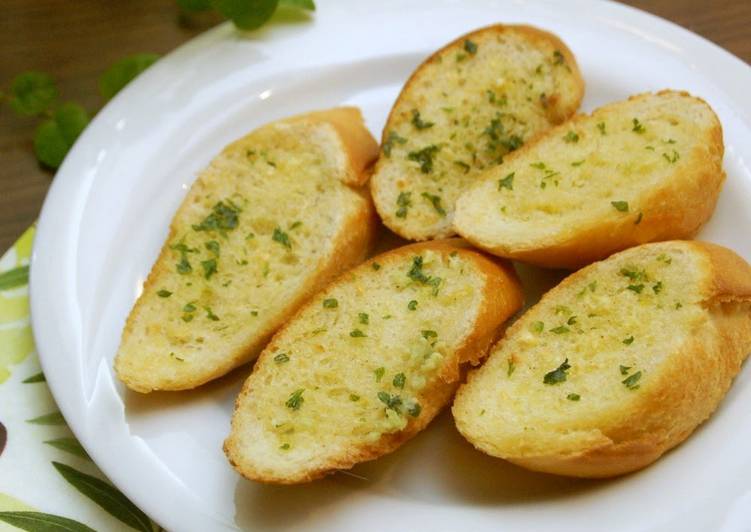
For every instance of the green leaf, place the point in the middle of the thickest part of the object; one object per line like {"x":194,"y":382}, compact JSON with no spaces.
{"x":39,"y":522}
{"x":32,"y":93}
{"x":50,"y":146}
{"x":300,"y":4}
{"x":108,"y":497}
{"x":246,"y":14}
{"x":69,"y":445}
{"x":55,"y":418}
{"x":15,"y":277}
{"x":54,"y":138}
{"x":194,"y":5}
{"x":39,"y":377}
{"x":123,"y":72}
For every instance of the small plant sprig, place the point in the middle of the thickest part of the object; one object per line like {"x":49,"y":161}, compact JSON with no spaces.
{"x":35,"y":94}
{"x":245,"y":14}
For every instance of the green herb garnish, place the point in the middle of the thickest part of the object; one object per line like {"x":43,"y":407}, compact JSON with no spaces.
{"x":506,"y":182}
{"x":537,"y":327}
{"x":281,"y":237}
{"x":412,"y":305}
{"x":657,"y":287}
{"x":394,"y":402}
{"x":392,"y":138}
{"x":209,"y":268}
{"x":561,"y":329}
{"x":399,"y":380}
{"x":470,"y":47}
{"x":464,"y":166}
{"x":281,"y":358}
{"x":357,"y":333}
{"x":414,"y":409}
{"x":558,"y":375}
{"x":435,"y":201}
{"x":210,"y":315}
{"x":631,"y":381}
{"x":629,"y":340}
{"x":558,"y":58}
{"x":164,"y":293}
{"x":428,"y":334}
{"x":635,"y":288}
{"x":424,"y":157}
{"x":418,"y":122}
{"x":620,"y":206}
{"x":284,"y":446}
{"x":573,"y":397}
{"x":223,"y":218}
{"x":601,"y":127}
{"x":624,"y":369}
{"x":296,"y":399}
{"x":363,"y":318}
{"x":379,"y":372}
{"x":570,"y":137}
{"x":375,"y":266}
{"x":404,"y":202}
{"x":354,"y":397}
{"x":638,"y":126}
{"x":511,"y":367}
{"x":330,"y":303}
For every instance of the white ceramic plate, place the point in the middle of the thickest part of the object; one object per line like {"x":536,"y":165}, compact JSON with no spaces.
{"x":109,"y":207}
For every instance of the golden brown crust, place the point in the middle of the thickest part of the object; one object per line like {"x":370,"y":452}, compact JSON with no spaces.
{"x":556,"y":114}
{"x":503,"y":298}
{"x":664,"y":218}
{"x":357,"y":239}
{"x":690,"y":387}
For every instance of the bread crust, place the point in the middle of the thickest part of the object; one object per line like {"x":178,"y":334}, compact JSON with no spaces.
{"x":665,"y":218}
{"x":356,"y":239}
{"x":692,"y":381}
{"x":503,"y":297}
{"x":556,"y":114}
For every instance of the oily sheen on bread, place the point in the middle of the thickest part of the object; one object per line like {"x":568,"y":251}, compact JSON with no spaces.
{"x":616,"y":365}
{"x":369,"y":361}
{"x":462,"y":111}
{"x":271,"y":220}
{"x":641,"y":170}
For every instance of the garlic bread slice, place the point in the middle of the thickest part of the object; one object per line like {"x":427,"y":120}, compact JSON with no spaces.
{"x":462,"y":111}
{"x":271,"y":220}
{"x":616,"y":365}
{"x":641,"y":170}
{"x":368,"y":362}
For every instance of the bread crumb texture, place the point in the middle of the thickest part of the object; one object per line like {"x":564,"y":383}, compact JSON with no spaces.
{"x":259,"y":229}
{"x":363,"y":366}
{"x":645,"y":169}
{"x":471,"y":103}
{"x":615,"y":365}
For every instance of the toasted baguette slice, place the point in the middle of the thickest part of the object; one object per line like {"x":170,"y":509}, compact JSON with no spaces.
{"x":272,"y":219}
{"x":616,"y":365}
{"x":468,"y":105}
{"x":641,"y":170}
{"x":368,"y":362}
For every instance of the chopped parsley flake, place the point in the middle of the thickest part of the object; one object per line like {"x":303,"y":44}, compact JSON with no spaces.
{"x":428,"y":334}
{"x":657,"y":287}
{"x":363,"y":318}
{"x":635,"y":288}
{"x":662,"y":257}
{"x":507,"y":182}
{"x":394,"y":402}
{"x":330,"y":303}
{"x":558,"y":58}
{"x":164,"y":293}
{"x":418,"y":122}
{"x":281,"y":358}
{"x":629,"y":340}
{"x":573,"y":397}
{"x":424,"y":157}
{"x":379,"y":373}
{"x":390,"y":140}
{"x":633,"y":274}
{"x":296,"y":399}
{"x":464,"y":166}
{"x":511,"y":367}
{"x":412,"y":305}
{"x":638,"y":126}
{"x":414,"y":409}
{"x":223,"y":218}
{"x":673,"y":157}
{"x":404,"y":202}
{"x":631,"y":381}
{"x":375,"y":266}
{"x":189,"y":307}
{"x":354,"y":397}
{"x":578,"y":163}
{"x":470,"y":47}
{"x":295,"y":225}
{"x":571,"y":137}
{"x":213,"y":246}
{"x":209,"y":268}
{"x":620,"y":206}
{"x":281,"y":237}
{"x":357,"y":333}
{"x":624,"y":369}
{"x":601,"y":127}
{"x":399,"y":380}
{"x":436,"y":202}
{"x":558,"y":375}
{"x":537,"y":327}
{"x":210,"y":315}
{"x":561,"y":329}
{"x":284,"y":446}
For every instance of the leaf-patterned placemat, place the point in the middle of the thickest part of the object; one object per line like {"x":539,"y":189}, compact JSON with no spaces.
{"x":47,"y":481}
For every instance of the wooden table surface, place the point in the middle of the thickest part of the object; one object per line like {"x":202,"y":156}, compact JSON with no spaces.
{"x":76,"y":41}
